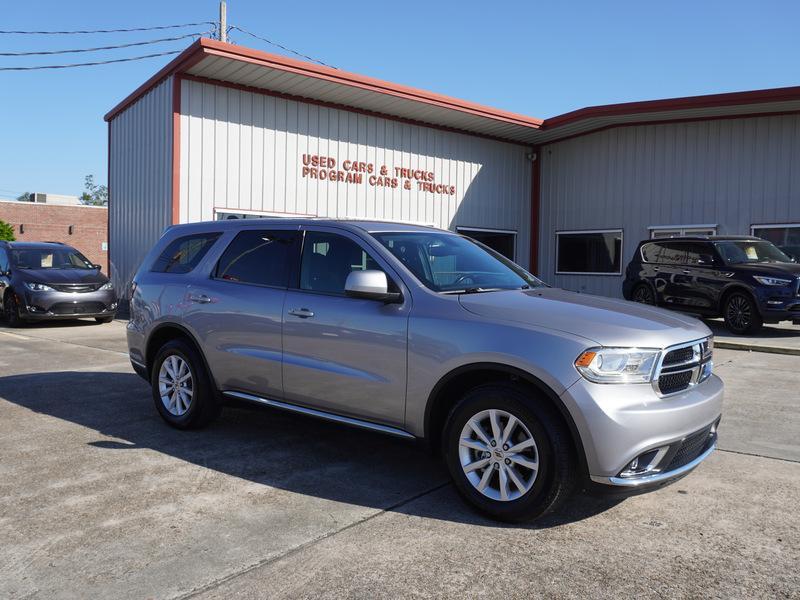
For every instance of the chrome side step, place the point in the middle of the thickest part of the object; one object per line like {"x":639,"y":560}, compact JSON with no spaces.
{"x":320,"y":414}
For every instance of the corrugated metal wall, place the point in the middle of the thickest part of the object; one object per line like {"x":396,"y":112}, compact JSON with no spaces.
{"x":732,"y":172}
{"x":140,"y":181}
{"x":243,"y":151}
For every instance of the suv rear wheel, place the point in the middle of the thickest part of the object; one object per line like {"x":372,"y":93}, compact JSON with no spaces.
{"x":182,"y":390}
{"x":509,"y":456}
{"x":741,"y":314}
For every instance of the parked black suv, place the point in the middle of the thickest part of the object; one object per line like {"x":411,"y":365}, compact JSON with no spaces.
{"x":746,"y":280}
{"x":48,"y":280}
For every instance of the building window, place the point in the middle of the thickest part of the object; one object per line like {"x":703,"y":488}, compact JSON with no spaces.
{"x":499,"y":240}
{"x":785,"y":236}
{"x":589,"y":252}
{"x":668,"y":231}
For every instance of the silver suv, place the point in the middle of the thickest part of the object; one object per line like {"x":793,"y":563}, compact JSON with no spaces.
{"x":530,"y":392}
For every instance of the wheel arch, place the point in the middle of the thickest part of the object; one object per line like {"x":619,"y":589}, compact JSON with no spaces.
{"x":165,"y":332}
{"x":451,"y":387}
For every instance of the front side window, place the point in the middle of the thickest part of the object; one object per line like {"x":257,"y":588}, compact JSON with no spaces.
{"x":737,"y":253}
{"x":453,"y":264}
{"x":328,"y":259}
{"x":595,"y":252}
{"x":184,"y":253}
{"x":258,"y":257}
{"x":48,"y":258}
{"x":3,"y":261}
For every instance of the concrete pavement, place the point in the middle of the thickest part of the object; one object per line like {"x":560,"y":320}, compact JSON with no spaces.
{"x":98,"y":498}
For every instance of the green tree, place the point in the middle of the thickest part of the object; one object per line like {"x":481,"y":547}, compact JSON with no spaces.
{"x":96,"y":195}
{"x":26,"y":197}
{"x":6,"y":232}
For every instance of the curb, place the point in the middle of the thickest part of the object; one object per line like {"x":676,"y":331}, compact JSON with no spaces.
{"x":756,"y":347}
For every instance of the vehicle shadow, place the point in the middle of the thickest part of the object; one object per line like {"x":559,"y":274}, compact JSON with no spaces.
{"x":55,"y":324}
{"x":266,"y":446}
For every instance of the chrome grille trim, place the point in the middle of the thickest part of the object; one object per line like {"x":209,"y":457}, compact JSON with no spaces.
{"x":699,"y":365}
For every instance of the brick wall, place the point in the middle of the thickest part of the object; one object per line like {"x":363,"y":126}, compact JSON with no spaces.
{"x":50,"y":223}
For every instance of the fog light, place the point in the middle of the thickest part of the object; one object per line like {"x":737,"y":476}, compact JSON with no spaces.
{"x":113,"y":305}
{"x":774,"y":302}
{"x":645,"y":463}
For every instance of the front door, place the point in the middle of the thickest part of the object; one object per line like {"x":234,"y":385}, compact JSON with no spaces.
{"x":340,"y":354}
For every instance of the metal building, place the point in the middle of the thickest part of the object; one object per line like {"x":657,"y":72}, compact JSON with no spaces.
{"x":228,"y":132}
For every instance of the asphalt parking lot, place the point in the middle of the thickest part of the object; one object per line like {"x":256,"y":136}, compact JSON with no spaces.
{"x":99,"y":498}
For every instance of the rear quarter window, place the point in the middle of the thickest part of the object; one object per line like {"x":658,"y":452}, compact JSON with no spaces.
{"x":184,"y":253}
{"x":651,"y":252}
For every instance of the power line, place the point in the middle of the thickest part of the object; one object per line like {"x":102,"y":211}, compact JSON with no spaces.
{"x":282,"y":47}
{"x":74,"y":50}
{"x":6,"y":32}
{"x":90,"y":64}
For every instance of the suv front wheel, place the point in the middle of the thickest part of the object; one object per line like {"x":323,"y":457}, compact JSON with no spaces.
{"x":509,"y":455}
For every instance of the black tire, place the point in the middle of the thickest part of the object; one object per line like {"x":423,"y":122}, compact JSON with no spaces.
{"x":557,"y":474}
{"x":741,"y":314}
{"x":11,"y":311}
{"x":104,"y":319}
{"x":205,"y":404}
{"x":644,"y":294}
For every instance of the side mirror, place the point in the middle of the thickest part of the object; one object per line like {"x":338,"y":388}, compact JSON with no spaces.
{"x":370,"y":285}
{"x":96,"y":266}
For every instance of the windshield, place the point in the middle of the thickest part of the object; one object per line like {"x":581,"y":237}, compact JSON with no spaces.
{"x":455,"y":264}
{"x":49,"y":258}
{"x":736,"y":253}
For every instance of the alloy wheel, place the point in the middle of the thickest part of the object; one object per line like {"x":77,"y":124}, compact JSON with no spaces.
{"x":739,"y":312}
{"x":498,"y":455}
{"x":175,"y":385}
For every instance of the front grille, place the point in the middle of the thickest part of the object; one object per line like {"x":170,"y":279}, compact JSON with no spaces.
{"x":77,"y":308}
{"x":679,"y":356}
{"x":692,"y":447}
{"x":76,"y":287}
{"x":683,"y":367}
{"x":669,"y":383}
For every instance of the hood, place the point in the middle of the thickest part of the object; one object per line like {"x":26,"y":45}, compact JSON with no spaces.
{"x":606,"y":321}
{"x":785,"y":270}
{"x":64,"y":275}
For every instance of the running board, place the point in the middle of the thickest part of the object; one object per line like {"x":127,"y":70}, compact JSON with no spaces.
{"x":321,"y":414}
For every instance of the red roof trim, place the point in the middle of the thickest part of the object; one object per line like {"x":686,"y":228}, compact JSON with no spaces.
{"x":670,"y":104}
{"x":205,"y":47}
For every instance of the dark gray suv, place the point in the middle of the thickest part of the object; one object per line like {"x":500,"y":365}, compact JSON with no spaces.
{"x":46,"y":280}
{"x":529,"y":392}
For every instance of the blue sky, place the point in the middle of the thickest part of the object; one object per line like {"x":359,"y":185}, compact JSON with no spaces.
{"x":536,"y":58}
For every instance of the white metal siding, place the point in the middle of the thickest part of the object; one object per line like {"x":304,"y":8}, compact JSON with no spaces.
{"x":140,"y":181}
{"x":732,"y":172}
{"x":243,"y":150}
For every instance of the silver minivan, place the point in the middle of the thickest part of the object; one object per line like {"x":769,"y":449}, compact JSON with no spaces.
{"x":528,"y":392}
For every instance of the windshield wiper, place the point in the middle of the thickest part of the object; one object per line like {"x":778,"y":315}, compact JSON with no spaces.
{"x":474,"y":290}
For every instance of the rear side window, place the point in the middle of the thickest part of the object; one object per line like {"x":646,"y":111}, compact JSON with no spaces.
{"x":184,"y":253}
{"x":258,"y":257}
{"x":674,"y":253}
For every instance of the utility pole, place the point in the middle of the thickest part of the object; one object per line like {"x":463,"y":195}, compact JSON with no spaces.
{"x":223,"y":21}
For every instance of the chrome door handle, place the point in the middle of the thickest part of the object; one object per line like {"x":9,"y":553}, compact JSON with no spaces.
{"x":201,"y":299}
{"x":303,"y":313}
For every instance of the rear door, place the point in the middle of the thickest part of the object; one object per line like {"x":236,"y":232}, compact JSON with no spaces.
{"x":237,"y":311}
{"x":340,"y":354}
{"x":704,"y":282}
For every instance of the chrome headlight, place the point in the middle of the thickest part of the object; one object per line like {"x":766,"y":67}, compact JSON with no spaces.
{"x":107,"y":286}
{"x":38,"y":287}
{"x":771,"y":280}
{"x":617,"y":365}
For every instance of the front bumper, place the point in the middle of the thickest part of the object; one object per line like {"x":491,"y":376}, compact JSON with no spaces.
{"x":40,"y":306}
{"x":619,"y":423}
